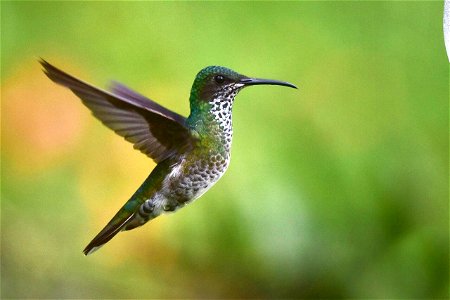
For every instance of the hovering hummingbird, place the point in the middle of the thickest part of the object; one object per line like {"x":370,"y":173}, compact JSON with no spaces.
{"x":191,"y":153}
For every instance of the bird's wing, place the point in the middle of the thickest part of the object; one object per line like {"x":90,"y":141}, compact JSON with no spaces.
{"x":125,"y":92}
{"x":153,"y":129}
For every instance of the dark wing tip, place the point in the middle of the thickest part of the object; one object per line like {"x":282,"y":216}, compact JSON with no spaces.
{"x":46,"y":65}
{"x":42,"y":61}
{"x":51,"y":71}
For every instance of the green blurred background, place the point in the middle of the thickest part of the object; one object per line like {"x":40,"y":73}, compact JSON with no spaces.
{"x":339,"y":189}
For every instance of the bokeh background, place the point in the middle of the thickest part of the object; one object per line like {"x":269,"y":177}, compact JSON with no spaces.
{"x":339,"y":189}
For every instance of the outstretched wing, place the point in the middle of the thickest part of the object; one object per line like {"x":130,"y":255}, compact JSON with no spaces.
{"x":153,"y":129}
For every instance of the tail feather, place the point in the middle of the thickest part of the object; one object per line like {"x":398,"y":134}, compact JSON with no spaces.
{"x":107,"y":233}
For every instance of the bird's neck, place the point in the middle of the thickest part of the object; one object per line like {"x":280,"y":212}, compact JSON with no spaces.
{"x":212,"y":121}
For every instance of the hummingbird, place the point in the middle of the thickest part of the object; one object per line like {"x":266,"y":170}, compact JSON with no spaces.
{"x":191,"y":154}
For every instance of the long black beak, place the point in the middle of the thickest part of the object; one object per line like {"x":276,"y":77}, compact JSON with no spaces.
{"x":255,"y":81}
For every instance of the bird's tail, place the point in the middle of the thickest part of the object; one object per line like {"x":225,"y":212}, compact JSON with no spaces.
{"x":117,"y":223}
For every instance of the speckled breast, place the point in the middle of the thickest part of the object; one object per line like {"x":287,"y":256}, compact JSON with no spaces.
{"x":192,"y":178}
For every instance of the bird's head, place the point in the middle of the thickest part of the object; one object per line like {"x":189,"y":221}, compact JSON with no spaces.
{"x":215,"y":82}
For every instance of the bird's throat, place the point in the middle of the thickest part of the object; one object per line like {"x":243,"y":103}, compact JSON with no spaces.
{"x":212,"y":122}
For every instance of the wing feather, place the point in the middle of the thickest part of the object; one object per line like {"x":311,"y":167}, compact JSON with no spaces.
{"x":123,"y":91}
{"x":153,"y":129}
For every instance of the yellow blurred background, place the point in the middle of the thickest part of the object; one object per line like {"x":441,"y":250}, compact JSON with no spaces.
{"x":339,"y":189}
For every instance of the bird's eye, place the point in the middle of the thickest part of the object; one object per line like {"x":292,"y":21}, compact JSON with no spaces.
{"x":219,"y":79}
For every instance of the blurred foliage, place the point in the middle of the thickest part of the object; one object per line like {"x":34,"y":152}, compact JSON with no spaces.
{"x":339,"y":189}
